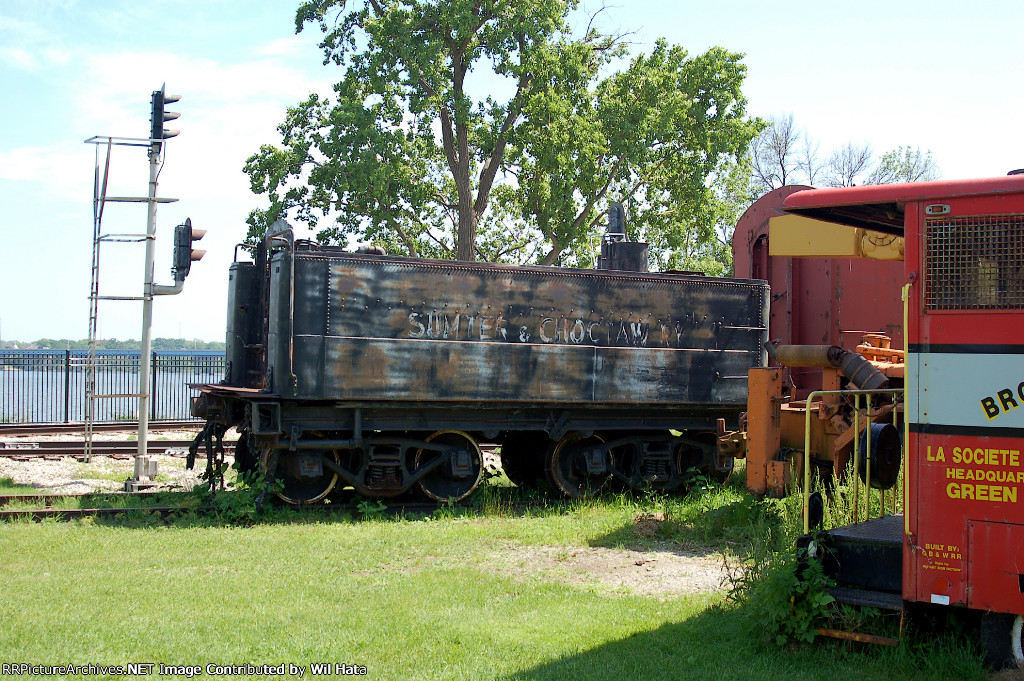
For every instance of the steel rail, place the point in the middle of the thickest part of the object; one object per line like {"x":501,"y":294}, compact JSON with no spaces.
{"x":116,"y":449}
{"x":49,"y":499}
{"x":114,"y":427}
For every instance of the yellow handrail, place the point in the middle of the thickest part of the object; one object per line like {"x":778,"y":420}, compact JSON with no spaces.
{"x":856,"y":444}
{"x":906,"y":414}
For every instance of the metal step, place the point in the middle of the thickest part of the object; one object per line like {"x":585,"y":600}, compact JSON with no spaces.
{"x":885,"y":530}
{"x":866,"y":555}
{"x":883,"y":600}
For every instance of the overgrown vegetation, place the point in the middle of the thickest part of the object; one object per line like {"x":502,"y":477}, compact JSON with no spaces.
{"x":786,"y":602}
{"x":8,"y":486}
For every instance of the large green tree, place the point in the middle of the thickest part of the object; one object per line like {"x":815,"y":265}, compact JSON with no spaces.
{"x":407,"y":155}
{"x":654,"y":136}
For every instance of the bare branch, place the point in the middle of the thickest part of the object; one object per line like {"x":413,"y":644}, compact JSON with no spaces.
{"x":773,"y":154}
{"x":846,"y":165}
{"x":808,"y":162}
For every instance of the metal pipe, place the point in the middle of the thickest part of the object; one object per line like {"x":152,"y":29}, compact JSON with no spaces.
{"x":807,"y":459}
{"x":67,"y":386}
{"x":867,"y":473}
{"x":858,"y":637}
{"x":173,"y":289}
{"x":147,"y":303}
{"x":856,"y":457}
{"x":291,"y":318}
{"x":806,"y":355}
{"x":857,"y":368}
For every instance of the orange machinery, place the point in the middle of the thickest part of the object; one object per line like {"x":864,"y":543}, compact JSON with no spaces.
{"x":776,"y":424}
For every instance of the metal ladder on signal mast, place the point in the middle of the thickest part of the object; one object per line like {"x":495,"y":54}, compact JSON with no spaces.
{"x":100,"y":199}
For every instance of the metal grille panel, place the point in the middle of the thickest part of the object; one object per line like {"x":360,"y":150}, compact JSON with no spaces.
{"x":975,"y":263}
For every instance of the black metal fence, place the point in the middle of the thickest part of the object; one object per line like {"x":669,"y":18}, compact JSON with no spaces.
{"x":48,"y":386}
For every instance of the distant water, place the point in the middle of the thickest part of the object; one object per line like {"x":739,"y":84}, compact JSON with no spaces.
{"x":36,"y":387}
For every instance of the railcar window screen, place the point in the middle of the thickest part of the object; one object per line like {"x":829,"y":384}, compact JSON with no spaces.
{"x":974,"y":263}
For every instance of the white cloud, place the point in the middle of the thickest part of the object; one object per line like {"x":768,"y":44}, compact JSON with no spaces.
{"x":56,"y":57}
{"x":284,"y":47}
{"x":48,"y":164}
{"x":18,"y":58}
{"x":229,"y":107}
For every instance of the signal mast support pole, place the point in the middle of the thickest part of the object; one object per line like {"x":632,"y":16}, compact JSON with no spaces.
{"x":145,"y":359}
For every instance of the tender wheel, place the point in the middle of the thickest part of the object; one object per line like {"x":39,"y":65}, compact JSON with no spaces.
{"x":691,"y":459}
{"x":1001,"y":639}
{"x":522,"y":458}
{"x":569,"y":470}
{"x":456,"y":478}
{"x":304,"y":478}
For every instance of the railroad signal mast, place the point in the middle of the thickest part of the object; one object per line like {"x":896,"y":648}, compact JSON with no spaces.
{"x":184,"y":255}
{"x":158,"y":133}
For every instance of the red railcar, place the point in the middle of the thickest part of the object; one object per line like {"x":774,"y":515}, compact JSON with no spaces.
{"x":960,"y":541}
{"x":816,"y":300}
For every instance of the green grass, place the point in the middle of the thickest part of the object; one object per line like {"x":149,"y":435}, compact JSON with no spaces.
{"x":443,"y":597}
{"x":8,"y":486}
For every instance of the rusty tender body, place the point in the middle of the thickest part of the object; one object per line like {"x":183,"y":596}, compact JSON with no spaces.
{"x":380,"y":373}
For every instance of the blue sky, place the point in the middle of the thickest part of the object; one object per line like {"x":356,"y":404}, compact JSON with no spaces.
{"x":939,"y":75}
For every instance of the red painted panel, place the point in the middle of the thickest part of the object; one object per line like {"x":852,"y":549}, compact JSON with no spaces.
{"x":816,"y":301}
{"x":965,"y":495}
{"x":959,"y":479}
{"x":965,"y":483}
{"x":996,"y":567}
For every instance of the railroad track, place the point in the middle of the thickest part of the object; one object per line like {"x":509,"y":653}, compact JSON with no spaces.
{"x":115,"y":449}
{"x":68,"y":514}
{"x":23,"y":429}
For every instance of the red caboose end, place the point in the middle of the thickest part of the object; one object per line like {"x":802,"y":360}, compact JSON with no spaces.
{"x":962,"y":533}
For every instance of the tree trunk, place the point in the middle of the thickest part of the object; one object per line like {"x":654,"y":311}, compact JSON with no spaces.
{"x":466,"y":247}
{"x":552,"y":256}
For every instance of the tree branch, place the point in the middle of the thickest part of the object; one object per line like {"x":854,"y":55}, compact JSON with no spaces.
{"x":448,"y":138}
{"x":437,"y":241}
{"x":490,"y":166}
{"x":410,"y":243}
{"x":552,"y":255}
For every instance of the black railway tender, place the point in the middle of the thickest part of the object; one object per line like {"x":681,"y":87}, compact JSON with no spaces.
{"x":383,"y":373}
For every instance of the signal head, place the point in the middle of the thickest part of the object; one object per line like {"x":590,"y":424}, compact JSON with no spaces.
{"x":159,"y":116}
{"x":184,"y":254}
